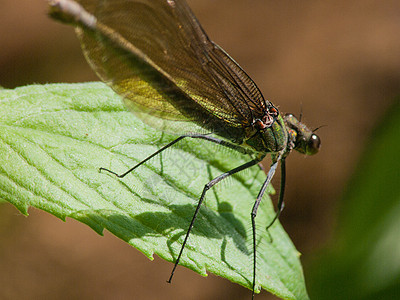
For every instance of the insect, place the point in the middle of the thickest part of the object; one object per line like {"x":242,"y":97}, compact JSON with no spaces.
{"x":156,"y":55}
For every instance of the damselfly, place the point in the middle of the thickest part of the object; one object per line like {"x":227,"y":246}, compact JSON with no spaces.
{"x":156,"y":55}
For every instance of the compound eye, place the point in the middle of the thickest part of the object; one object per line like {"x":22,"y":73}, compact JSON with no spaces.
{"x":313,"y":144}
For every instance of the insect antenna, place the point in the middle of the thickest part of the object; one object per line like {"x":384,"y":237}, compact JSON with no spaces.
{"x":314,"y":130}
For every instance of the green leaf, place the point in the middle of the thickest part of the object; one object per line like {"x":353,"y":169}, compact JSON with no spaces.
{"x":363,"y":262}
{"x":55,"y":137}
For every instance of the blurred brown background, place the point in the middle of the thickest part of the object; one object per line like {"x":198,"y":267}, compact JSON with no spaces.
{"x":338,"y":61}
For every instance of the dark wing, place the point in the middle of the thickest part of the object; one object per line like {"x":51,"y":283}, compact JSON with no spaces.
{"x":156,"y":54}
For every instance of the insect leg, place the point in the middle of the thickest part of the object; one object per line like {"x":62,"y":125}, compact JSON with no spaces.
{"x":206,"y":188}
{"x":281,"y":204}
{"x":198,"y":136}
{"x":221,"y":142}
{"x":143,"y":161}
{"x":267,"y":181}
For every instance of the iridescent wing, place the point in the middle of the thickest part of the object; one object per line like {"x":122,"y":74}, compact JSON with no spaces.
{"x":157,"y":56}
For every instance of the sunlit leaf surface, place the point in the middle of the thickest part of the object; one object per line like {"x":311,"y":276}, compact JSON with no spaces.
{"x":53,"y":139}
